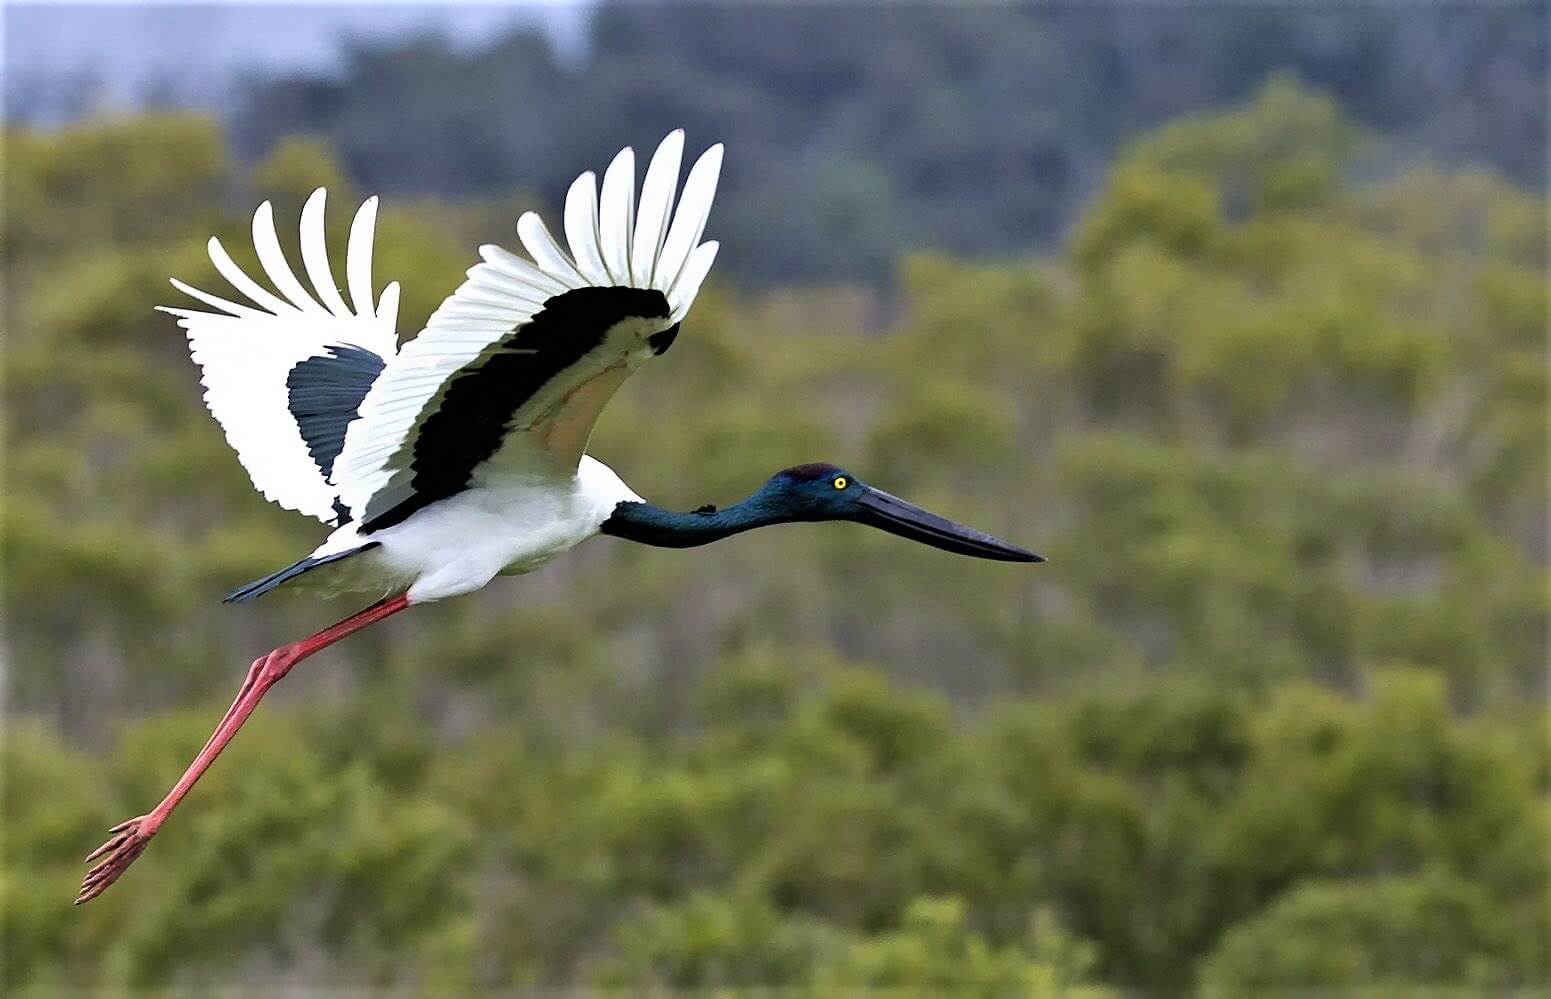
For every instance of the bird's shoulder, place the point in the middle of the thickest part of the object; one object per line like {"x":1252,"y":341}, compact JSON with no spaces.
{"x":601,"y":488}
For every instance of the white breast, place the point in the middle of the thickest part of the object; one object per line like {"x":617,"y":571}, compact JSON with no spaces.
{"x":506,"y":526}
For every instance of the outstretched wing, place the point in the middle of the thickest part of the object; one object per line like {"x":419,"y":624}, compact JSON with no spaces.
{"x":284,"y":376}
{"x":512,"y":370}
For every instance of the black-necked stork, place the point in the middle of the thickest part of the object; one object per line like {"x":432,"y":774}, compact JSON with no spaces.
{"x":460,"y":457}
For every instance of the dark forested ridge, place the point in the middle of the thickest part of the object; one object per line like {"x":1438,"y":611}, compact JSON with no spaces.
{"x":1271,"y":718}
{"x":859,"y":130}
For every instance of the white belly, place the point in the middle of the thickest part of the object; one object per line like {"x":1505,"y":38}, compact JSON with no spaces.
{"x":459,"y":544}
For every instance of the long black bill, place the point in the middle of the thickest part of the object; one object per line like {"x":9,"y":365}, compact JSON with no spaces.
{"x":890,"y":513}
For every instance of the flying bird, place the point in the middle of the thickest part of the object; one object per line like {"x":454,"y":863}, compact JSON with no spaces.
{"x":461,"y":455}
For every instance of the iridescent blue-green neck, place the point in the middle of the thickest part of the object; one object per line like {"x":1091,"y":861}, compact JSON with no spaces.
{"x":652,"y":525}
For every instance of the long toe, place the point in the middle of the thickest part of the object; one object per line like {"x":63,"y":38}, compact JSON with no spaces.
{"x":127,"y":842}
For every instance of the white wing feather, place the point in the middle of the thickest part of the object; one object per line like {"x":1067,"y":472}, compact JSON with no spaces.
{"x":315,"y":255}
{"x":616,"y":215}
{"x":246,"y":351}
{"x":358,"y":258}
{"x":662,"y":176}
{"x":687,"y":286}
{"x":581,"y":229}
{"x":541,"y":246}
{"x":611,"y":244}
{"x":689,"y":222}
{"x":267,"y":244}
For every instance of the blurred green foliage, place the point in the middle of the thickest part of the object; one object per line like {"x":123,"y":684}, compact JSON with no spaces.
{"x":1272,"y":716}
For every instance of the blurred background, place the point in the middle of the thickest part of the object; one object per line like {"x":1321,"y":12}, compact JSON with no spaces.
{"x":1238,"y":314}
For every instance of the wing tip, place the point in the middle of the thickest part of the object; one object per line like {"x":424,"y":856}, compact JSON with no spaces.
{"x":710,"y":161}
{"x":671,"y":147}
{"x":388,"y":304}
{"x":365,"y":218}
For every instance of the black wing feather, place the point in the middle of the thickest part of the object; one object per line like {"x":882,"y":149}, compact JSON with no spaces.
{"x":325,"y":393}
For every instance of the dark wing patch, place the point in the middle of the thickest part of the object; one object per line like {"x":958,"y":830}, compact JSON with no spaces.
{"x":325,"y":393}
{"x":478,"y":402}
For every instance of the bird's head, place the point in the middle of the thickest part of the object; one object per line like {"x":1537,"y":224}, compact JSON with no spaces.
{"x":821,"y":491}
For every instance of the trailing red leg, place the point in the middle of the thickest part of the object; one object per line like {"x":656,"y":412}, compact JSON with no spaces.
{"x":129,"y":838}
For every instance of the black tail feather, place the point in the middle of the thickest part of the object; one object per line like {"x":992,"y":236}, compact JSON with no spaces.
{"x":259,"y":587}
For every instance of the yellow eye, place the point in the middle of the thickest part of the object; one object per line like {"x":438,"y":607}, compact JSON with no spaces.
{"x":840,"y":482}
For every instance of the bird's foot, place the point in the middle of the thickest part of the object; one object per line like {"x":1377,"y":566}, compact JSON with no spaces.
{"x":127,"y":842}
